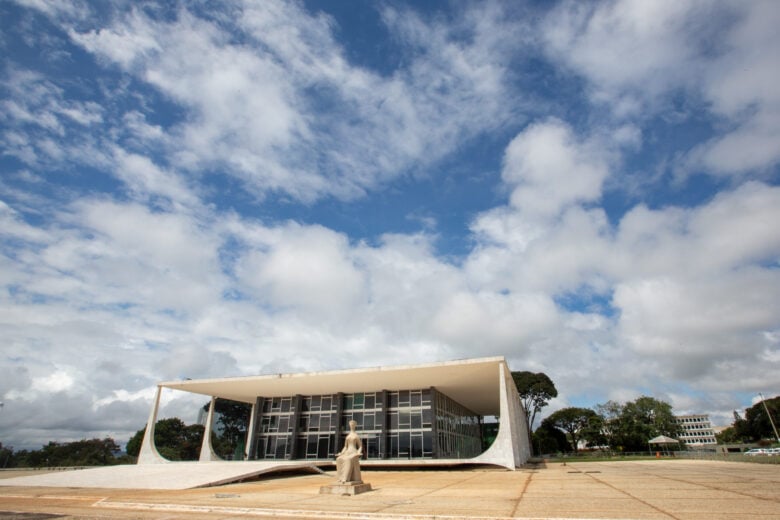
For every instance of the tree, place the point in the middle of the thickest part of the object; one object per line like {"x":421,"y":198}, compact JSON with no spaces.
{"x":86,"y":452}
{"x":7,"y":459}
{"x":594,"y":432}
{"x":549,"y":439}
{"x":572,"y":420}
{"x":133,"y":447}
{"x":630,"y":426}
{"x":173,"y":439}
{"x":758,"y":425}
{"x":233,"y":420}
{"x":536,"y":390}
{"x":728,"y":436}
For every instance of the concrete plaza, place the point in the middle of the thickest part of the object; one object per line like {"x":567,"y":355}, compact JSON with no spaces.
{"x":663,"y":489}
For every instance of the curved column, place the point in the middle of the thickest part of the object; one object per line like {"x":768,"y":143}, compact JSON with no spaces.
{"x":207,"y":453}
{"x":251,"y":432}
{"x":148,"y":453}
{"x":511,"y":448}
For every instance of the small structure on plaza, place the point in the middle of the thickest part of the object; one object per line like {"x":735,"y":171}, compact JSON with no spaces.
{"x":662,"y":442}
{"x":348,"y":478}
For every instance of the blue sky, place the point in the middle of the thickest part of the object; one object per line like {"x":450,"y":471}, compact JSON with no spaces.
{"x":204,"y":189}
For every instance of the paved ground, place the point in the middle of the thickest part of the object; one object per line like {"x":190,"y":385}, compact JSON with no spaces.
{"x":666,"y":489}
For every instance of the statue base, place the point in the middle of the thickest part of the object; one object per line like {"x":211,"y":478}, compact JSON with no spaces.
{"x":347,"y":488}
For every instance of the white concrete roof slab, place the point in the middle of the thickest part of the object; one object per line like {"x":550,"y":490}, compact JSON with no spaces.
{"x":472,"y":382}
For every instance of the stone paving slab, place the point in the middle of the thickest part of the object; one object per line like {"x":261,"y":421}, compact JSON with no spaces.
{"x":680,"y":490}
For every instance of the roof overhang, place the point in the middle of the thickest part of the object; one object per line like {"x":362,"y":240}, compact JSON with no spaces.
{"x":662,"y":439}
{"x":474,"y":383}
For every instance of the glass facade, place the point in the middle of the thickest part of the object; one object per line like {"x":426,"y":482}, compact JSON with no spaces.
{"x":458,"y":430}
{"x":401,"y":424}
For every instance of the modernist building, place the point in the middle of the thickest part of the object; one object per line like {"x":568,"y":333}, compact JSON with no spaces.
{"x":418,"y":414}
{"x":697,"y":431}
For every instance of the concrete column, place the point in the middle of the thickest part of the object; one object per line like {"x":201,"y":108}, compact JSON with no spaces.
{"x":512,"y":447}
{"x":295,"y":419}
{"x":148,"y":453}
{"x":339,"y":411}
{"x":251,"y":432}
{"x":207,"y":453}
{"x":434,"y":425}
{"x":383,"y":438}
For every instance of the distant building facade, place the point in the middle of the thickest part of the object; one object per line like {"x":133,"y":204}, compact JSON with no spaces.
{"x":697,"y":430}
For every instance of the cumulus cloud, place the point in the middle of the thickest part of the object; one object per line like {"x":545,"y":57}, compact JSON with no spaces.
{"x":313,"y":300}
{"x":630,"y":49}
{"x":137,"y":265}
{"x":549,"y":169}
{"x":687,"y":286}
{"x":638,"y":58}
{"x":251,"y":112}
{"x":306,"y":268}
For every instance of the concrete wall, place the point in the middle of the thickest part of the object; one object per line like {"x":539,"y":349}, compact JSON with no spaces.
{"x":512,"y":447}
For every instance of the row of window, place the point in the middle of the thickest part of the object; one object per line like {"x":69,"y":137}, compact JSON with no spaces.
{"x":401,"y":445}
{"x":356,"y":401}
{"x":702,"y":419}
{"x":403,"y":428}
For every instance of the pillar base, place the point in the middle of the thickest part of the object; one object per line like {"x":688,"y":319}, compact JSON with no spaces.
{"x":348,"y":488}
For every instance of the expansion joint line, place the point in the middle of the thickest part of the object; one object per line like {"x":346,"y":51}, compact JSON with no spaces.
{"x":634,"y":497}
{"x":522,"y":492}
{"x":390,"y":506}
{"x":717,"y":488}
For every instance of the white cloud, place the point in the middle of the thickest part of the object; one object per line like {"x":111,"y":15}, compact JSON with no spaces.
{"x":637,"y":56}
{"x":318,"y":301}
{"x":549,"y":169}
{"x":13,"y":226}
{"x":691,"y":288}
{"x":308,"y":268}
{"x":745,"y":72}
{"x":752,"y":146}
{"x":262,"y":108}
{"x":55,"y":7}
{"x":107,"y":294}
{"x":490,"y":324}
{"x":52,"y":383}
{"x":680,"y":318}
{"x":629,"y":50}
{"x":147,"y":181}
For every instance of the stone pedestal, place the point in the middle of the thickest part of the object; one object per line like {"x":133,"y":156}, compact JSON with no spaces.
{"x":347,"y":488}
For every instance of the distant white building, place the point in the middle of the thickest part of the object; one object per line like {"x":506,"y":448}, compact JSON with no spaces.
{"x":697,"y":430}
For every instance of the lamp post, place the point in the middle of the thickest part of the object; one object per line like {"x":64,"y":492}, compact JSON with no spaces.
{"x":774,"y":428}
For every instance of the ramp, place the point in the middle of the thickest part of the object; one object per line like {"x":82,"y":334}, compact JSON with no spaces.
{"x":174,"y":475}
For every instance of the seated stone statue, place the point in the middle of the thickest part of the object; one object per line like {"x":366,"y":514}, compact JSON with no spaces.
{"x":348,"y":460}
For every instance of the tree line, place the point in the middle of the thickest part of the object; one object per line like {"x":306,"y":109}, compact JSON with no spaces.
{"x":625,"y":427}
{"x":86,"y":452}
{"x":173,"y":439}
